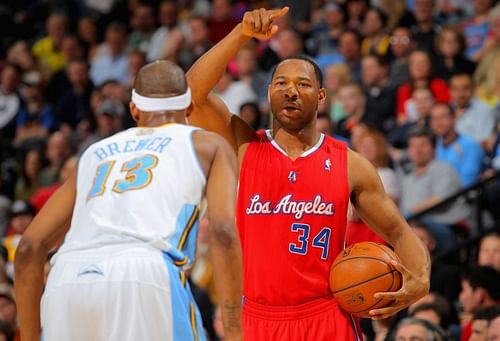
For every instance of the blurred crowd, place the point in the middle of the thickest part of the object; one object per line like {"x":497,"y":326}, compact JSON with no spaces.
{"x":412,"y":85}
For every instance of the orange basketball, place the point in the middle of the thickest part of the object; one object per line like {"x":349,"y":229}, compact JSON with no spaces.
{"x":360,"y":271}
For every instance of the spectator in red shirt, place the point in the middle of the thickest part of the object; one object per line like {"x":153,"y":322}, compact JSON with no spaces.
{"x":420,"y":68}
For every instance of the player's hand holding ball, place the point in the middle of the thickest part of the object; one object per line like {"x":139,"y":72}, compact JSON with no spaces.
{"x":260,"y":24}
{"x":368,"y":280}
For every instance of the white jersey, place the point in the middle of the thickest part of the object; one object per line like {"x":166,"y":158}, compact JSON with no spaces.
{"x":142,"y":185}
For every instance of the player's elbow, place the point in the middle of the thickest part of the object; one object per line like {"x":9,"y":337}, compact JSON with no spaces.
{"x":28,"y":251}
{"x":223,"y":234}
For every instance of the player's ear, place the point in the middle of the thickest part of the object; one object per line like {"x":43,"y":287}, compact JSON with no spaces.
{"x":321,"y":96}
{"x":269,"y":94}
{"x":134,"y":112}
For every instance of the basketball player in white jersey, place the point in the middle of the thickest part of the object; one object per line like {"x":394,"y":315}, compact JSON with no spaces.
{"x":131,"y":211}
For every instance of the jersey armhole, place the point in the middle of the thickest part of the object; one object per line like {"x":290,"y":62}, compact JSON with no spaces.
{"x":194,"y":156}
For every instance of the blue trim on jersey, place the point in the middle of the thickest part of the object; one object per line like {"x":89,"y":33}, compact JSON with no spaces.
{"x":187,"y":221}
{"x":195,"y":156}
{"x":182,"y":303}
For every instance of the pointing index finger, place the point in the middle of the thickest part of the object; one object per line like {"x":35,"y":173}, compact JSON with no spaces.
{"x":278,"y":13}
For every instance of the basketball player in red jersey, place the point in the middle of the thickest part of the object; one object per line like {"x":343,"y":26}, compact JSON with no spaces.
{"x":294,"y":189}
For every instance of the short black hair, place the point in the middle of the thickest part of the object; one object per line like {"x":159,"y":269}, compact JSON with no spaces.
{"x":422,"y":132}
{"x":317,"y":70}
{"x":487,"y":313}
{"x":484,"y":277}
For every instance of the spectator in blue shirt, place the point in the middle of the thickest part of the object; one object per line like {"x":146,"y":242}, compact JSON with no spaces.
{"x":459,"y":151}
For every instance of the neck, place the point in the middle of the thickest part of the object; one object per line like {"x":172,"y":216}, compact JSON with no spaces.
{"x":425,"y":25}
{"x":295,"y":142}
{"x":158,"y":119}
{"x":421,"y":169}
{"x":449,"y":137}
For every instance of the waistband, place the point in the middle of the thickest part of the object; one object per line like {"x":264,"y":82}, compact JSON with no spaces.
{"x":288,"y":313}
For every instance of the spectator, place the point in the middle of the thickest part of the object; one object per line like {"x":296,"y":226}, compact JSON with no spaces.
{"x":136,"y":60}
{"x":29,"y":179}
{"x":416,"y":329}
{"x":109,"y":118}
{"x":74,"y":102}
{"x":489,"y":251}
{"x":402,"y":44}
{"x":350,"y":48}
{"x":450,"y":54}
{"x":8,"y":309}
{"x":326,"y":40}
{"x":493,"y":39}
{"x":197,"y":43}
{"x":422,"y":101}
{"x":356,"y":10}
{"x":250,"y":113}
{"x":41,"y":196}
{"x":21,"y":215}
{"x":425,"y":30}
{"x":47,"y":50}
{"x":10,"y":102}
{"x":380,"y":94}
{"x":221,"y":20}
{"x":420,"y":68}
{"x":249,"y":73}
{"x":428,"y":183}
{"x":434,"y":313}
{"x":445,"y":276}
{"x":111,"y":63}
{"x":476,"y":30}
{"x":143,"y":26}
{"x":473,"y":117}
{"x":494,"y":330}
{"x":72,"y":50}
{"x":234,"y":93}
{"x":324,"y":124}
{"x":87,"y":33}
{"x":36,"y":118}
{"x":336,"y":76}
{"x":480,"y":289}
{"x":376,"y":40}
{"x":459,"y":151}
{"x":167,"y":17}
{"x":353,"y":101}
{"x":481,"y":322}
{"x":58,"y":149}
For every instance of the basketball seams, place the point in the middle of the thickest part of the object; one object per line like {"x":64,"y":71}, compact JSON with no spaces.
{"x":365,"y":281}
{"x":361,"y":257}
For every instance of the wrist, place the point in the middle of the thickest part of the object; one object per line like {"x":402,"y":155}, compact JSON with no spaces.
{"x":241,"y":36}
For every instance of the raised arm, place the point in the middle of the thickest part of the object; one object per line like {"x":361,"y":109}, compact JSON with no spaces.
{"x":209,"y":112}
{"x":378,"y":210}
{"x":48,"y":228}
{"x":224,"y":244}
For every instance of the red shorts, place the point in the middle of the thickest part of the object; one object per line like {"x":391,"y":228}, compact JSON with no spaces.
{"x":317,"y":320}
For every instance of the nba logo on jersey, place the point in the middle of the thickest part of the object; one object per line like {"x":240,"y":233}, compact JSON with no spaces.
{"x":328,"y":165}
{"x":292,"y":177}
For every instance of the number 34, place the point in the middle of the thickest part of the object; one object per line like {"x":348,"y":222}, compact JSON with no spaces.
{"x":321,"y":240}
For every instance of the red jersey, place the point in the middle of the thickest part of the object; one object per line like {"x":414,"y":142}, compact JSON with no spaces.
{"x":291,"y":218}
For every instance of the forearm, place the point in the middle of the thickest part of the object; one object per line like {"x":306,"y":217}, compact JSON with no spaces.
{"x":226,"y":259}
{"x":216,"y":59}
{"x":412,"y":252}
{"x":427,"y":203}
{"x":29,"y":271}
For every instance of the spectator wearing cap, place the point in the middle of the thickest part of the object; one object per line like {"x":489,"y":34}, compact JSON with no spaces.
{"x":480,"y":289}
{"x":8,"y":311}
{"x":109,"y":118}
{"x":22,"y":213}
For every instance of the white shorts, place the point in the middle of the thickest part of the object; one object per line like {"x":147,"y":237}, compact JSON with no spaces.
{"x":130,"y":295}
